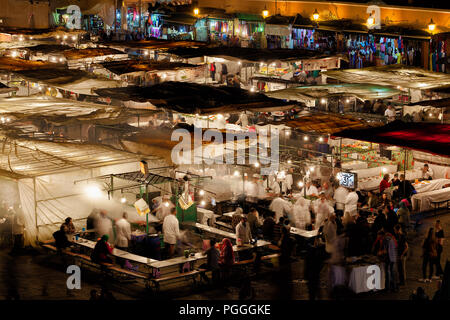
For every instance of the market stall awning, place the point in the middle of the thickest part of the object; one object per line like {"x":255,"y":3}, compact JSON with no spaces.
{"x":392,"y":75}
{"x":12,"y":64}
{"x":130,"y":66}
{"x":361,"y":91}
{"x":428,"y":137}
{"x":323,"y":123}
{"x":194,"y":98}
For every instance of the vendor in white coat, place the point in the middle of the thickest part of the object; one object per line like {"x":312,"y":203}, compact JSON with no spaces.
{"x":103,"y":225}
{"x":311,"y":189}
{"x":351,"y":203}
{"x":301,"y":213}
{"x":123,"y":232}
{"x":171,"y":232}
{"x":281,"y":208}
{"x":323,"y":210}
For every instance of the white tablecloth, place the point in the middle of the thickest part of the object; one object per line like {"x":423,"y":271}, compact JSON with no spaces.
{"x":358,"y":278}
{"x":431,"y":185}
{"x":354,"y":165}
{"x":422,"y":201}
{"x":371,"y":172}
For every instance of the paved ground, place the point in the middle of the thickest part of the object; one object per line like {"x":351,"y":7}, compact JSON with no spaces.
{"x":34,"y":275}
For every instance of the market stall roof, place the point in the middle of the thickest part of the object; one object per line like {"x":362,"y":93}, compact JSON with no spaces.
{"x":278,"y":19}
{"x":153,"y":44}
{"x":77,"y":81}
{"x":428,"y":137}
{"x":5,"y":89}
{"x":73,"y":54}
{"x":362,"y":91}
{"x":48,"y":48}
{"x":438,"y":103}
{"x":16,"y":64}
{"x":392,"y":75}
{"x":130,"y":66}
{"x":21,"y":158}
{"x":194,"y":98}
{"x":248,"y":54}
{"x":325,"y":123}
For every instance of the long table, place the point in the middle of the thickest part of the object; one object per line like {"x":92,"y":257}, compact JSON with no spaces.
{"x":430,"y":185}
{"x":422,"y":201}
{"x":304,"y":233}
{"x":116,"y":252}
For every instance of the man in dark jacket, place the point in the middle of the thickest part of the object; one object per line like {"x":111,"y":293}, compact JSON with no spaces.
{"x":405,"y":188}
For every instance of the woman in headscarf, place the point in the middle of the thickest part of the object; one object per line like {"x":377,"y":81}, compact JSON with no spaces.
{"x":102,"y":250}
{"x":226,"y":260}
{"x":226,"y":253}
{"x":301,"y":213}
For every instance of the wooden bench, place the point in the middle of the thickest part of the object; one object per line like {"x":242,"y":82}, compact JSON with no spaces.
{"x":50,"y":247}
{"x":270,"y":256}
{"x":185,"y":275}
{"x":126,"y":274}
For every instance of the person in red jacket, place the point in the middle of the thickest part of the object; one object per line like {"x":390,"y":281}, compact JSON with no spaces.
{"x":384,"y":184}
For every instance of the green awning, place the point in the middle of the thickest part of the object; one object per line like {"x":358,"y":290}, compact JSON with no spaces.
{"x":249,"y":17}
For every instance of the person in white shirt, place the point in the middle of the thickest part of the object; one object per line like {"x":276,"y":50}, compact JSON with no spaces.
{"x":340,"y":194}
{"x":427,"y":172}
{"x":323,"y":211}
{"x":243,"y":120}
{"x":328,"y":190}
{"x":287,"y":183}
{"x":123,"y":232}
{"x":243,"y":231}
{"x":390,"y":113}
{"x":171,"y":232}
{"x":351,"y":203}
{"x":275,"y":187}
{"x":301,"y":213}
{"x":103,"y":226}
{"x":281,"y":208}
{"x":311,"y":189}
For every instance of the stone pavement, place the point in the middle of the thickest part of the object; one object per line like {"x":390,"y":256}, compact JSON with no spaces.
{"x":35,"y":276}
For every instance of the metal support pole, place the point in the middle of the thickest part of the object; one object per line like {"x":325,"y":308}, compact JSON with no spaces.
{"x":35,"y":210}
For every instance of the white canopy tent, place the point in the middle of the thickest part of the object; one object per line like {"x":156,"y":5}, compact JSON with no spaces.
{"x":46,"y":175}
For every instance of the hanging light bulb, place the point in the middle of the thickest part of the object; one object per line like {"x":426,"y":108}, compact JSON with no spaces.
{"x":320,"y":139}
{"x":236,"y":173}
{"x":123,"y":200}
{"x":300,"y":184}
{"x":166,"y":204}
{"x":203,"y":202}
{"x":265,"y":12}
{"x":289,"y":161}
{"x":370,"y":20}
{"x":306,"y":138}
{"x":196,"y":11}
{"x":431,"y":26}
{"x":316,"y":15}
{"x":256,"y":164}
{"x":201,"y":192}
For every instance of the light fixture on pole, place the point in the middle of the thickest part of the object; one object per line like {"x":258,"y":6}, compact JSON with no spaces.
{"x":315,"y":15}
{"x":370,"y":20}
{"x":196,"y":11}
{"x":431,"y":26}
